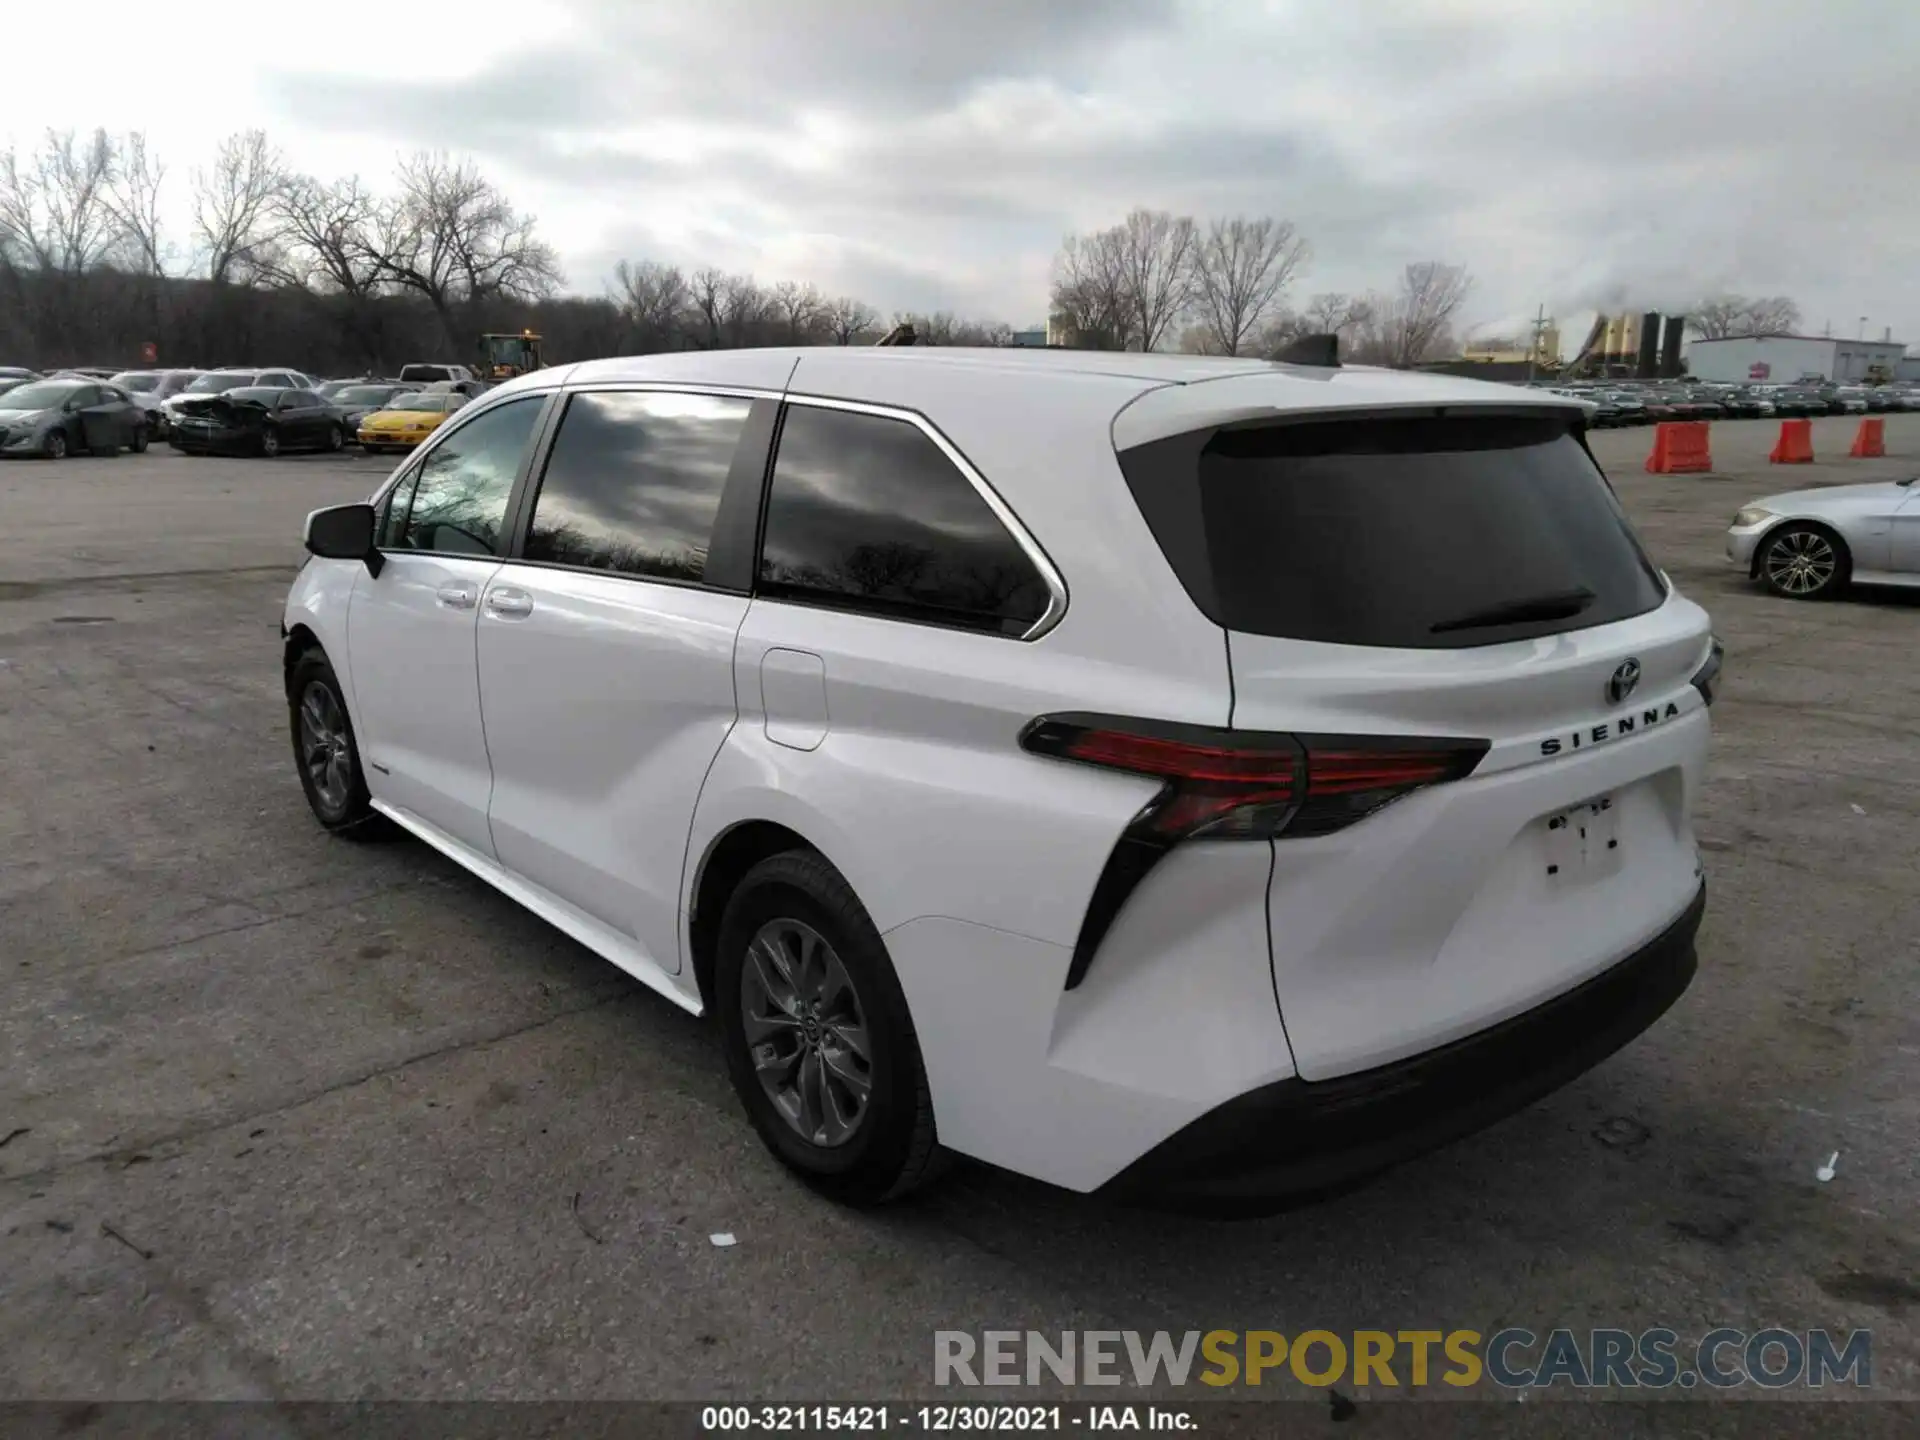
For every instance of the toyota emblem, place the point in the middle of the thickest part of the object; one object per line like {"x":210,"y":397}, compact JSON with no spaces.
{"x":1620,"y":684}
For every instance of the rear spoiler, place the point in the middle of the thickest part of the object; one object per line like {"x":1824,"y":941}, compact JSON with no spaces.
{"x":1321,"y":351}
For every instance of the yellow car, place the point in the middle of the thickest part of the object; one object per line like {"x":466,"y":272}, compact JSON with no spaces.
{"x":407,"y":420}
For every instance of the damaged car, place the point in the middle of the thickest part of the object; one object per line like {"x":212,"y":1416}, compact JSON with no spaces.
{"x":60,"y":417}
{"x":256,"y":421}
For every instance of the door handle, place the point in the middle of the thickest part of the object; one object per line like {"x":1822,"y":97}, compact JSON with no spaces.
{"x":455,"y":597}
{"x":508,"y":603}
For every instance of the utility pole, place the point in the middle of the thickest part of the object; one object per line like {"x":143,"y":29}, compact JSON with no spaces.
{"x":1533,"y":349}
{"x":1863,"y":329}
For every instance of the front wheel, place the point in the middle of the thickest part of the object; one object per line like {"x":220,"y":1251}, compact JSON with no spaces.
{"x":57,"y":445}
{"x":324,"y":747}
{"x":817,"y":1035}
{"x":335,"y":437}
{"x":1804,"y":562}
{"x":270,"y":443}
{"x":140,"y":440}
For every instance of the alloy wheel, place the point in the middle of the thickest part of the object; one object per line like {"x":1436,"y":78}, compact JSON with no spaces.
{"x":325,"y":748}
{"x":806,"y":1032}
{"x":1801,"y":562}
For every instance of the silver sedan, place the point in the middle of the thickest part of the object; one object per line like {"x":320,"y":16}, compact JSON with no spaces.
{"x":1809,"y":544}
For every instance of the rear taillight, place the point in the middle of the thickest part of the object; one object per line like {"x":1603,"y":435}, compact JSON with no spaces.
{"x":1707,"y":678}
{"x":1234,"y":785}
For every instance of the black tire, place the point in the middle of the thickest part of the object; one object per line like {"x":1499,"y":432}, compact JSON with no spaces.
{"x":56,"y":445}
{"x":335,"y":438}
{"x":140,"y":440}
{"x":893,"y":1147}
{"x":349,"y":811}
{"x":270,"y":443}
{"x":1803,"y":561}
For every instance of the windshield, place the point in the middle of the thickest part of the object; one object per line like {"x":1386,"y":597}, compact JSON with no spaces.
{"x":219,"y":382}
{"x":1417,"y":533}
{"x":363,"y":395}
{"x":142,"y":380}
{"x":418,"y":402}
{"x":259,"y":394}
{"x":42,"y":395}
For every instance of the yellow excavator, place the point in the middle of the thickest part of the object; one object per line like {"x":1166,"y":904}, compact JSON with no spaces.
{"x":504,"y":356}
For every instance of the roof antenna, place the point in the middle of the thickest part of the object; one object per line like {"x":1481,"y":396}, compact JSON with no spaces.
{"x":1319,"y":350}
{"x":901,"y":334}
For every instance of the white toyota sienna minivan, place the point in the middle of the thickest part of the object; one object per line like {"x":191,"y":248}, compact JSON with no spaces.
{"x":1203,"y":781}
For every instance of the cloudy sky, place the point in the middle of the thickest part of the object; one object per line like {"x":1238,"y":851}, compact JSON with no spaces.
{"x":926,"y":154}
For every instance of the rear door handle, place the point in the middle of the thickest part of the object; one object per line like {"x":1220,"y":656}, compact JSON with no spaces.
{"x":509,"y":603}
{"x":456,"y":597}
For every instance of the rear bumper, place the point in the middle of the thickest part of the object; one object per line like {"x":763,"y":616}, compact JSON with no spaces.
{"x":1294,"y":1140}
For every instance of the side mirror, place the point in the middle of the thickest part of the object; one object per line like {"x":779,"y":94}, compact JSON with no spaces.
{"x":345,"y":532}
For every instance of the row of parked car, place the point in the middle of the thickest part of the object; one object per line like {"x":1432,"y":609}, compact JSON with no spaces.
{"x":234,"y":410}
{"x":1621,"y":404}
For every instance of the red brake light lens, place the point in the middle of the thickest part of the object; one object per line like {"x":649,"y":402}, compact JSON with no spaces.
{"x":1232,"y":784}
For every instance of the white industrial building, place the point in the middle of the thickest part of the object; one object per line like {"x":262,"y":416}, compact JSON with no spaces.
{"x":1783,"y":359}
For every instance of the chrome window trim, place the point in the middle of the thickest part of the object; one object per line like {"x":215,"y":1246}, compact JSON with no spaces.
{"x":467,"y":414}
{"x":1056,"y":584}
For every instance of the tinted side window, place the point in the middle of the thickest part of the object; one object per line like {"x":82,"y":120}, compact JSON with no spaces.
{"x":460,"y":503}
{"x":634,"y":482}
{"x":392,"y":521}
{"x":868,"y":513}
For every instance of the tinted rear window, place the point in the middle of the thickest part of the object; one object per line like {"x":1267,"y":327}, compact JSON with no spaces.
{"x":867,"y":513}
{"x":1418,"y":532}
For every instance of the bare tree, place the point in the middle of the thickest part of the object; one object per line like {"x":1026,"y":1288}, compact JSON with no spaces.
{"x":847,"y":317}
{"x":1717,"y":317}
{"x":1770,"y":315}
{"x":452,"y":238}
{"x":1200,"y":340}
{"x":1156,"y":264}
{"x":326,"y":235}
{"x":800,"y":306}
{"x":745,"y":310}
{"x":1414,"y":323}
{"x":1332,"y":313}
{"x":1090,"y":293}
{"x":1721,"y":316}
{"x":655,"y":299}
{"x":133,"y":200}
{"x":233,"y":206}
{"x":1240,"y":268}
{"x":54,"y":211}
{"x":706,"y":288}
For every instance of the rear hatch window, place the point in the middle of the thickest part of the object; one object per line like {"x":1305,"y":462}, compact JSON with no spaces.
{"x":1419,"y":531}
